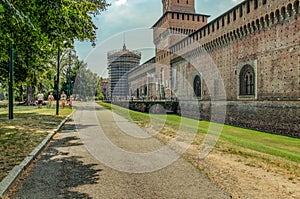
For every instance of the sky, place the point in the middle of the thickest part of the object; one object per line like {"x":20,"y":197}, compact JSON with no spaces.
{"x":131,"y":20}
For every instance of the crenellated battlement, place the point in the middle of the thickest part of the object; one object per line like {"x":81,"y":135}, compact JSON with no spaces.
{"x":177,"y":23}
{"x":246,"y":18}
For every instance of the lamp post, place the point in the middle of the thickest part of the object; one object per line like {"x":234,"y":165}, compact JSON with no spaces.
{"x":10,"y":76}
{"x":69,"y":77}
{"x":11,"y":82}
{"x":57,"y":80}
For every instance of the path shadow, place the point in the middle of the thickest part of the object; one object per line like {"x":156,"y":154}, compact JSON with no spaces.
{"x":82,"y":126}
{"x":90,"y":107}
{"x":56,"y":174}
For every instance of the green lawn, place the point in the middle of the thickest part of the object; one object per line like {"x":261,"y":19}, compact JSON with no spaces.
{"x":20,"y":136}
{"x":235,"y":140}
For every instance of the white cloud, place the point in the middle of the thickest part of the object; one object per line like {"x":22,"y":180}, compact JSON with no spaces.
{"x":125,"y":15}
{"x":132,"y":14}
{"x":121,"y":2}
{"x":236,"y":1}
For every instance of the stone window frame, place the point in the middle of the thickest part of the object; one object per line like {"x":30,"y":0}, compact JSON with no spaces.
{"x":201,"y":85}
{"x":247,"y":80}
{"x":239,"y":68}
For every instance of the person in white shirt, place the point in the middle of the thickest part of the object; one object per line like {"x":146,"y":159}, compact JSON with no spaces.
{"x":40,"y":97}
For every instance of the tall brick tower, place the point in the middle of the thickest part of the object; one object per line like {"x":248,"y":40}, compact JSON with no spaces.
{"x":187,"y":6}
{"x":178,"y":21}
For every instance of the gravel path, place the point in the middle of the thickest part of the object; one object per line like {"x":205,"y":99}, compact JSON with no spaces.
{"x":73,"y":165}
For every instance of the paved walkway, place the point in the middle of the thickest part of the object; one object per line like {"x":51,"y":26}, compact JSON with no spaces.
{"x":103,"y":159}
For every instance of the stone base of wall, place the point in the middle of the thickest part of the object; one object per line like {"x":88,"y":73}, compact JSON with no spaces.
{"x":279,"y":117}
{"x":271,"y":116}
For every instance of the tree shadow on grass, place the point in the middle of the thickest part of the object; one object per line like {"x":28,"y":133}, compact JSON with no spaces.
{"x":56,"y":173}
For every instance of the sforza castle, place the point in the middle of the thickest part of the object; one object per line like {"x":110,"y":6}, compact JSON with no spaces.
{"x":248,"y":57}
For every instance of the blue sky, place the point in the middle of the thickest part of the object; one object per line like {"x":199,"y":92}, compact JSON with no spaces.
{"x":134,"y":18}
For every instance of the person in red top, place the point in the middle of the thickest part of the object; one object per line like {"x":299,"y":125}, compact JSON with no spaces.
{"x":63,"y":98}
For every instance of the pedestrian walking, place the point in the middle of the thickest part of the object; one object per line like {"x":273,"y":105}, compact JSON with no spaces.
{"x":40,"y":98}
{"x":63,"y":98}
{"x":50,"y":100}
{"x":71,"y":101}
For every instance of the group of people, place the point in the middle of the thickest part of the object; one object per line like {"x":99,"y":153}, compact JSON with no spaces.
{"x":63,"y":98}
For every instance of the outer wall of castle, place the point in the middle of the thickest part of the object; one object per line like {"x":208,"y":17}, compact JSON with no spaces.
{"x":249,"y":57}
{"x":272,"y":48}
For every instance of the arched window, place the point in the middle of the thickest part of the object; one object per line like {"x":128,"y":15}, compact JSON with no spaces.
{"x":290,"y":9}
{"x":137,"y":93}
{"x":145,"y":90}
{"x":248,"y":6}
{"x":283,"y":12}
{"x":197,"y":86}
{"x":247,"y":81}
{"x":296,"y":6}
{"x":255,"y":4}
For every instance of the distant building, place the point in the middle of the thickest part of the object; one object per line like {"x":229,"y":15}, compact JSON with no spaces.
{"x":119,"y":63}
{"x":142,"y":81}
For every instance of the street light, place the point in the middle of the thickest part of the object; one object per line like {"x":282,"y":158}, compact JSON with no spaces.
{"x":10,"y":75}
{"x":69,"y":77}
{"x":11,"y":82}
{"x":57,"y":80}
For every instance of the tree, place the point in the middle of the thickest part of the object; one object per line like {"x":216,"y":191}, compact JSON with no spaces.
{"x":85,"y":84}
{"x":37,"y":28}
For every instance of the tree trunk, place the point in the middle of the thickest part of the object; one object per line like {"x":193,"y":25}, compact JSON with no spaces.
{"x":30,"y":99}
{"x":21,"y":97}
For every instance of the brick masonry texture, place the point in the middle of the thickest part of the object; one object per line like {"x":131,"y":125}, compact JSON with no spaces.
{"x":261,"y":34}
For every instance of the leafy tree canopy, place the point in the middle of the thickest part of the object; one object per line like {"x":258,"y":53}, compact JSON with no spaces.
{"x":37,"y":27}
{"x":43,"y":24}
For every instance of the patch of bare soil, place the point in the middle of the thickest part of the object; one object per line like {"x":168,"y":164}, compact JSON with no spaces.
{"x":247,"y":177}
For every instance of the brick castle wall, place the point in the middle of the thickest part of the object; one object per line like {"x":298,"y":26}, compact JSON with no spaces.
{"x":268,"y":39}
{"x":264,"y":34}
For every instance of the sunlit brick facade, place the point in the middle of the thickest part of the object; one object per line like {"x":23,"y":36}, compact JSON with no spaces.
{"x":252,"y":52}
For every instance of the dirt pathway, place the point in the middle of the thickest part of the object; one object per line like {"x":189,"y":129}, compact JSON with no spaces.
{"x":70,"y":167}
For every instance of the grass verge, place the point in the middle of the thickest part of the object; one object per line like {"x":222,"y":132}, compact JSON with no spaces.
{"x":262,"y":148}
{"x":20,"y":136}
